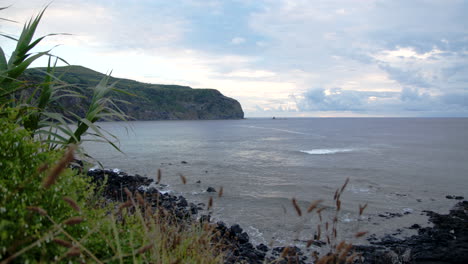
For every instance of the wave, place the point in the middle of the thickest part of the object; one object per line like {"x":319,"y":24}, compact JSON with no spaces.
{"x":327,"y":151}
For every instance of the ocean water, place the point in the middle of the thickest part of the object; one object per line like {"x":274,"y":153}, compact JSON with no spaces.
{"x":395,"y":165}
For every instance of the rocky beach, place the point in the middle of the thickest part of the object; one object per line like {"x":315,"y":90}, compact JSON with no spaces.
{"x":446,"y":241}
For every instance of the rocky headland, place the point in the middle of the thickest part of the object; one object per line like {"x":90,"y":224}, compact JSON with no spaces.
{"x":145,"y":101}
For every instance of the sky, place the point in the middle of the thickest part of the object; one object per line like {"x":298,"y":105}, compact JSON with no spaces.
{"x":283,"y":58}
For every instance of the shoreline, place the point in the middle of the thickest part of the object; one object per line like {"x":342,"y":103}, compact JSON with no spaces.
{"x":446,"y":241}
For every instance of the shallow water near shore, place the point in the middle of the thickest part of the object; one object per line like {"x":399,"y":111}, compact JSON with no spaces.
{"x":398,"y":166}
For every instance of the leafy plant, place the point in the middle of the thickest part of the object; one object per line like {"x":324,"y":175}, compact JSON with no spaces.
{"x":38,"y":103}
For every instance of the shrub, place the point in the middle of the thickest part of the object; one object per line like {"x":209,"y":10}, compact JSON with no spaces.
{"x":23,"y":163}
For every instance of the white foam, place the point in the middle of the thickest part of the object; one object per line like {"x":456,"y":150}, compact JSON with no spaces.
{"x":327,"y":151}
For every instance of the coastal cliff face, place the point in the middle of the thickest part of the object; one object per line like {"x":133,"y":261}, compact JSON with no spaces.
{"x":151,"y":101}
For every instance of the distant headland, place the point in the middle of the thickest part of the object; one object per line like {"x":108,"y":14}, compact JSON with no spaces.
{"x":151,"y":101}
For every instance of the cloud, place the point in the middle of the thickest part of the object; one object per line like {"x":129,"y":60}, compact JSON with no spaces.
{"x":237,"y":40}
{"x":365,"y":57}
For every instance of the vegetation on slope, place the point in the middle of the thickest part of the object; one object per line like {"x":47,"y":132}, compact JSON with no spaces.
{"x":151,"y":101}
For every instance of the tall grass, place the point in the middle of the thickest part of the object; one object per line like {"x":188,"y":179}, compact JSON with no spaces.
{"x":36,"y":104}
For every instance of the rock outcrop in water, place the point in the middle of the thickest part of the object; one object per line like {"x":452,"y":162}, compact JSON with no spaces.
{"x":150,"y":101}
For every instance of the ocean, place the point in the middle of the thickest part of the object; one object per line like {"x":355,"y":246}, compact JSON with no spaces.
{"x":399,"y":167}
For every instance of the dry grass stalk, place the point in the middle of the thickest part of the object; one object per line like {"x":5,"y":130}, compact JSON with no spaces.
{"x":73,"y":252}
{"x":319,"y":212}
{"x":72,"y":203}
{"x":344,"y":252}
{"x":336,"y":194}
{"x":284,"y":209}
{"x":210,"y":203}
{"x":61,"y":165}
{"x":309,"y":243}
{"x":340,"y":246}
{"x":351,"y":258}
{"x":73,"y":220}
{"x":140,"y":199}
{"x":285,"y":252}
{"x":344,"y":185}
{"x":325,"y":260}
{"x":296,"y":206}
{"x":125,"y":205}
{"x":362,"y":208}
{"x":159,"y":176}
{"x":144,"y":248}
{"x":220,"y":193}
{"x":360,"y":234}
{"x":37,"y":210}
{"x":313,"y":205}
{"x":43,"y":168}
{"x":319,"y":232}
{"x":62,"y":242}
{"x":338,"y":205}
{"x":183,"y":179}
{"x":128,"y":193}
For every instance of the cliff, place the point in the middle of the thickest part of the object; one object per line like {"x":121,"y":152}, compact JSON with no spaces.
{"x":151,"y":101}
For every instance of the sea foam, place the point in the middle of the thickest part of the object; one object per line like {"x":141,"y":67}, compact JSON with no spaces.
{"x":327,"y":151}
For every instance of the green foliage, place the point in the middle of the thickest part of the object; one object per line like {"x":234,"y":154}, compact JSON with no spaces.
{"x":49,"y":213}
{"x":103,"y":232}
{"x":21,"y":187}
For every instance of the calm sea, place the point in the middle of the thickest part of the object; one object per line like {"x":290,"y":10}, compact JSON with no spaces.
{"x":395,"y":165}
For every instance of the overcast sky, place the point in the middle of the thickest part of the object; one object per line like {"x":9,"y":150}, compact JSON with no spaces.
{"x":277,"y":58}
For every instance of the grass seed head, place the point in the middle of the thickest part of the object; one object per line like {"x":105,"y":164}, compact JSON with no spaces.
{"x":73,"y":252}
{"x":144,"y":248}
{"x":313,"y":205}
{"x":362,"y":208}
{"x":159,"y":176}
{"x":72,"y":203}
{"x":296,"y":207}
{"x":73,"y":220}
{"x":62,"y":242}
{"x":37,"y":210}
{"x":61,"y":165}
{"x":183,"y":179}
{"x":360,"y":234}
{"x":128,"y":193}
{"x":344,"y":185}
{"x":210,"y":203}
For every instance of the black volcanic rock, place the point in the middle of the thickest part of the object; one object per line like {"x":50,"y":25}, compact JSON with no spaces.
{"x":445,"y":242}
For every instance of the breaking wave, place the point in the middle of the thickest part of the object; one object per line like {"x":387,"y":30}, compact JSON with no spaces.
{"x":327,"y":151}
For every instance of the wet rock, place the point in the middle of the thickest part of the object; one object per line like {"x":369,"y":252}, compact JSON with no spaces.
{"x":205,"y":218}
{"x":415,"y":226}
{"x":445,"y":242}
{"x":193,"y":208}
{"x":389,"y":215}
{"x":211,"y":189}
{"x":262,"y":247}
{"x":182,"y":202}
{"x":235,"y":229}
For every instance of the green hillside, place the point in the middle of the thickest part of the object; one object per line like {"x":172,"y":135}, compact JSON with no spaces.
{"x":151,"y":101}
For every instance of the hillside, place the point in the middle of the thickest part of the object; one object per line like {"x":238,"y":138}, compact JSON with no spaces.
{"x":152,"y":101}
